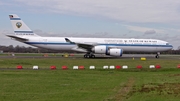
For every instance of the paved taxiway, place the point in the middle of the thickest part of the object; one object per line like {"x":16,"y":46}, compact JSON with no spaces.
{"x":130,"y":56}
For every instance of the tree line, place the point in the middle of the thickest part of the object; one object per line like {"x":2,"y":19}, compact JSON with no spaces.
{"x":22,"y":49}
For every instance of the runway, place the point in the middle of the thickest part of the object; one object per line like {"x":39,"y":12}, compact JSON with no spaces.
{"x":98,"y":56}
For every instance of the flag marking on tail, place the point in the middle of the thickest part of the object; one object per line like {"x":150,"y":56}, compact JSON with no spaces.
{"x":13,"y":18}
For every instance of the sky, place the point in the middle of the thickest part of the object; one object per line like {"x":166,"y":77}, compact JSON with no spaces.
{"x":151,"y":19}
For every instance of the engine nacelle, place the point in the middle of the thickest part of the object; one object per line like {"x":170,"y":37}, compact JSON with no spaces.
{"x":100,"y":49}
{"x":115,"y":52}
{"x":108,"y":51}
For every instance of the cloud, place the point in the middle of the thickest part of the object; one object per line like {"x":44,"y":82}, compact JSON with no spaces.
{"x":173,"y":30}
{"x":161,"y":11}
{"x":3,"y":3}
{"x":129,"y":12}
{"x":149,"y":32}
{"x":92,"y":35}
{"x":65,"y":34}
{"x":40,"y":32}
{"x":145,"y":30}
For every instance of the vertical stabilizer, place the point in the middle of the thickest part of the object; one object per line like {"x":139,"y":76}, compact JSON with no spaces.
{"x":20,"y":28}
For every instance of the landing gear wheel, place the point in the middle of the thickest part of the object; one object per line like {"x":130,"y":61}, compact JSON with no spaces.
{"x":92,"y":56}
{"x":85,"y":56}
{"x":157,"y":56}
{"x":89,"y":56}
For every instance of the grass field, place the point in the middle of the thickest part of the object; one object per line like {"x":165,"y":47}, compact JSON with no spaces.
{"x":89,"y":85}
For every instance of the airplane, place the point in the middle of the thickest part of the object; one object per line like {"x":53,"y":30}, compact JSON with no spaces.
{"x":90,"y":46}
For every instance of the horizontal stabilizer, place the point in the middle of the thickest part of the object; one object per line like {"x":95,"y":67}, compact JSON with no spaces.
{"x":17,"y":38}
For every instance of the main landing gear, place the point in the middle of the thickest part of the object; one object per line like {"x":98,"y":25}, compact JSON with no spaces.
{"x":157,"y":55}
{"x":89,"y":55}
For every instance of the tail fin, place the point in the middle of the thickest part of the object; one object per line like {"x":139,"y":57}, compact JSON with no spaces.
{"x":20,"y":28}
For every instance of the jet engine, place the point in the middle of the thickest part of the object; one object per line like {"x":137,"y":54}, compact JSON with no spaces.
{"x":108,"y":51}
{"x":100,"y":49}
{"x":115,"y":52}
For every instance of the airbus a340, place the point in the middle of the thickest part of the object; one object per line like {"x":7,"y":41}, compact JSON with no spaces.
{"x":90,"y":46}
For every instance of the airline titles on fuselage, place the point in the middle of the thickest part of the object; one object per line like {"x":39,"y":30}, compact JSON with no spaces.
{"x":130,"y":41}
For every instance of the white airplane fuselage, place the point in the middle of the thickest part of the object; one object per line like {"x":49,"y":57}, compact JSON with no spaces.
{"x":127,"y":45}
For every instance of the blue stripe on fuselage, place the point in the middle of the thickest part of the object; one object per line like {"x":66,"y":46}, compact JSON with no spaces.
{"x":58,"y":43}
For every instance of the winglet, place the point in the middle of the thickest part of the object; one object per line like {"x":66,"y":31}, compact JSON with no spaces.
{"x":67,"y":40}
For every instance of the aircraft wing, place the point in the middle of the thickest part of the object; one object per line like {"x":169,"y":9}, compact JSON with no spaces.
{"x":17,"y":38}
{"x":87,"y":46}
